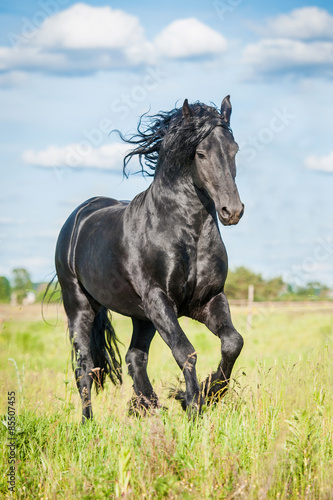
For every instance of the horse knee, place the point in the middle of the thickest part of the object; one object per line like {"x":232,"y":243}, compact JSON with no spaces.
{"x":232,"y":345}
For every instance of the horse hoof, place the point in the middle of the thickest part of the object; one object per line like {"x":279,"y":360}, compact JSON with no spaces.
{"x":140,"y":406}
{"x":180,"y":396}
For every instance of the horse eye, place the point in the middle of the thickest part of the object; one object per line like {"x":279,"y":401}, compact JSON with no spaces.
{"x":200,"y":155}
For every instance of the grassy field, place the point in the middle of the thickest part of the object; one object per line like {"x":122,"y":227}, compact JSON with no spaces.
{"x":271,"y":436}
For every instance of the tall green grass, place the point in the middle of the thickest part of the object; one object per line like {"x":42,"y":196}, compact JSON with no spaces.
{"x":270,"y":437}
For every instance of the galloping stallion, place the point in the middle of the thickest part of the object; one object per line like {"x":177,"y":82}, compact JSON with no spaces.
{"x":156,"y":258}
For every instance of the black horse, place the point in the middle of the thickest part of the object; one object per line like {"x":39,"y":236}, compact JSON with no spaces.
{"x":156,"y":258}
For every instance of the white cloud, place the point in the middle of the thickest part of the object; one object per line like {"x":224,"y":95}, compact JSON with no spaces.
{"x":281,"y":53}
{"x":14,"y":78}
{"x":31,"y":57}
{"x":79,"y":155}
{"x":82,"y":26}
{"x":189,"y":38}
{"x":84,"y":39}
{"x":81,"y":38}
{"x":305,"y":23}
{"x":322,"y":163}
{"x":299,"y":42}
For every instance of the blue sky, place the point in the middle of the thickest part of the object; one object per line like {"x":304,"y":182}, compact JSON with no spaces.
{"x":70,"y":72}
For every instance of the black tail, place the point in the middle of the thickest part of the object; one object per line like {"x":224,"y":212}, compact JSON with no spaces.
{"x":49,"y":295}
{"x":104,"y":350}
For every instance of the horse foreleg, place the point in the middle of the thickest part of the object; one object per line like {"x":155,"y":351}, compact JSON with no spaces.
{"x":162,"y":313}
{"x":216,"y":316}
{"x":136,"y":360}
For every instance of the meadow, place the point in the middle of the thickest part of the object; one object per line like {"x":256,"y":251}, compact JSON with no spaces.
{"x":271,"y":436}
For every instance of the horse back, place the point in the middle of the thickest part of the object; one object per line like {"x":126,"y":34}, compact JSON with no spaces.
{"x":68,"y":236}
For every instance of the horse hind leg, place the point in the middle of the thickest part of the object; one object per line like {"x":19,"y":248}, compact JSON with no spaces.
{"x":145,"y":398}
{"x":92,"y":356}
{"x":80,"y":315}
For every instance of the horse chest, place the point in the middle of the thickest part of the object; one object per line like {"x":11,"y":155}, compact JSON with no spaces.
{"x":188,"y":271}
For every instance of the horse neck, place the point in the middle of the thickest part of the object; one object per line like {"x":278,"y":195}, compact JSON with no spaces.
{"x":174,"y":191}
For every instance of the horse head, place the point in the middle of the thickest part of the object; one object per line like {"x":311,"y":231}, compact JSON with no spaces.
{"x":214,"y":166}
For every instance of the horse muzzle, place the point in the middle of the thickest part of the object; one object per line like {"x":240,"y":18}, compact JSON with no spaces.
{"x":228,"y":216}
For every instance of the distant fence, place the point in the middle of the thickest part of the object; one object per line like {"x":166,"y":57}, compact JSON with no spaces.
{"x":290,"y":304}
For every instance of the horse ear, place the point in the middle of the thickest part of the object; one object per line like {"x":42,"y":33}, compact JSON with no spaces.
{"x":226,"y":109}
{"x":187,"y":113}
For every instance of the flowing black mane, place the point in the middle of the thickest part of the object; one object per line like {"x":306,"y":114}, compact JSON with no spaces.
{"x":171,"y":135}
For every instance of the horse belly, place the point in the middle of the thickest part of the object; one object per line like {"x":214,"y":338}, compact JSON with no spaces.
{"x":103,"y":276}
{"x":118,"y":297}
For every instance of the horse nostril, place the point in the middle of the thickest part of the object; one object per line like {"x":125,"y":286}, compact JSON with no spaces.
{"x":225,"y":213}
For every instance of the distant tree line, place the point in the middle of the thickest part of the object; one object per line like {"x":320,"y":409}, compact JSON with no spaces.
{"x":238,"y":282}
{"x":5,"y":289}
{"x":20,"y":285}
{"x":237,"y":285}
